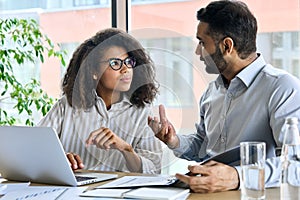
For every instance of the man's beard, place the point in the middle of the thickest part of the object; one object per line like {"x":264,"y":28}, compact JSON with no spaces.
{"x":215,"y":63}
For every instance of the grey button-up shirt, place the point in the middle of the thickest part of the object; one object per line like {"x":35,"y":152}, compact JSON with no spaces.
{"x":253,"y":108}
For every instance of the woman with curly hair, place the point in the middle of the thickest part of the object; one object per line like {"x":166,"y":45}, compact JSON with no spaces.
{"x":101,"y":119}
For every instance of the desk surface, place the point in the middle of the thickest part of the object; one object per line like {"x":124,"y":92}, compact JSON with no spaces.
{"x":273,"y":193}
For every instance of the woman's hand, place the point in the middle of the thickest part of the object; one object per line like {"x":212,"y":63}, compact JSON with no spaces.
{"x":104,"y":138}
{"x":75,"y":161}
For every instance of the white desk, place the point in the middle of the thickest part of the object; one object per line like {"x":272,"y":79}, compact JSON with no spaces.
{"x":273,"y":193}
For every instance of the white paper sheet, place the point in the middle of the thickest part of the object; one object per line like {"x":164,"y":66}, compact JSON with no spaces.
{"x":138,"y":181}
{"x":45,"y":193}
{"x":8,"y":187}
{"x":116,"y":193}
{"x":162,"y":193}
{"x":167,"y":193}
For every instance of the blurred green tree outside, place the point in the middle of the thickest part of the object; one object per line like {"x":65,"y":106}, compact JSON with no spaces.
{"x":23,"y":42}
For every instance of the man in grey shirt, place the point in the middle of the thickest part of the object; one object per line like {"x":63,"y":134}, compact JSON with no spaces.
{"x":248,"y":101}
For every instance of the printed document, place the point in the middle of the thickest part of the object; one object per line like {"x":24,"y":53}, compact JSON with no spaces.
{"x":161,"y":193}
{"x":139,"y":181}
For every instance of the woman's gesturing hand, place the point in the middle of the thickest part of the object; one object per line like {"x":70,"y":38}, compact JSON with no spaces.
{"x":104,"y":138}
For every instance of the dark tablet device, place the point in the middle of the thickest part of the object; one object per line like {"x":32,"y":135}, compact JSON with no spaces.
{"x":229,"y":157}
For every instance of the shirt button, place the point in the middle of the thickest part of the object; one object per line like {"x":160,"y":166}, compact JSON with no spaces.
{"x":222,"y":139}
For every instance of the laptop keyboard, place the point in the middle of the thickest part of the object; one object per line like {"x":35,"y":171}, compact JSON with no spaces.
{"x":84,"y":178}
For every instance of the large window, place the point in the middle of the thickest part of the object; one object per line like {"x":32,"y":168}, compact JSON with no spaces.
{"x":174,"y":70}
{"x":285,"y":51}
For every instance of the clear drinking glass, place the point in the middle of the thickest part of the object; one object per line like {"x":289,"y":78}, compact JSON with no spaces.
{"x":253,"y":156}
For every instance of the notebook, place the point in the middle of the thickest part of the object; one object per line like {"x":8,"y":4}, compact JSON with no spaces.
{"x":157,"y":193}
{"x":35,"y":154}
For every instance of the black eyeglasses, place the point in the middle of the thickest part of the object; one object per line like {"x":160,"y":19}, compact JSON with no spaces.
{"x":116,"y":63}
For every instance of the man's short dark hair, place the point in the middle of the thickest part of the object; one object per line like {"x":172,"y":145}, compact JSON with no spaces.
{"x":231,"y":19}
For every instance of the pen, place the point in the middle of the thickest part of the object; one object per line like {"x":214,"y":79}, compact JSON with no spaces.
{"x":87,"y":189}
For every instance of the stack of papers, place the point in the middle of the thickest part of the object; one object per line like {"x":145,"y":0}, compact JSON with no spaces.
{"x":165,"y":193}
{"x":129,"y":187}
{"x":138,"y":187}
{"x":139,"y":181}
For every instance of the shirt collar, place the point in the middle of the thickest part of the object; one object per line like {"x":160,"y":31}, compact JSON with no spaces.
{"x":248,"y":74}
{"x":125,"y":101}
